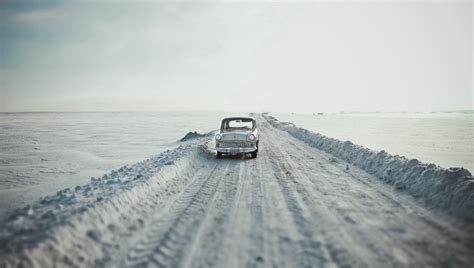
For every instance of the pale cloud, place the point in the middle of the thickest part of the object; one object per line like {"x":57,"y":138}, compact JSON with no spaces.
{"x":247,"y":56}
{"x":38,"y":16}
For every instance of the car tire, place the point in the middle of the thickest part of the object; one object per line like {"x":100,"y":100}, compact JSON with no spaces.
{"x":219,"y":155}
{"x":253,"y":154}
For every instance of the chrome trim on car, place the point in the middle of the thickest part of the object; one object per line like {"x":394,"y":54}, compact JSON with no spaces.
{"x":235,"y":144}
{"x":236,"y":149}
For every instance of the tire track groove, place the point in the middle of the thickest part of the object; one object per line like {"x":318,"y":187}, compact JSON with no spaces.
{"x":164,"y":245}
{"x":312,"y":252}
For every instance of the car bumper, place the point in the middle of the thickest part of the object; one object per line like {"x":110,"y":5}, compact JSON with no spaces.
{"x":234,"y":150}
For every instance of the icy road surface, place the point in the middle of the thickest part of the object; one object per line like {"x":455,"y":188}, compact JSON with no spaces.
{"x":292,"y":206}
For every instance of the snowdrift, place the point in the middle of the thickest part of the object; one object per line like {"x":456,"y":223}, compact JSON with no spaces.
{"x":448,"y":189}
{"x":195,"y":135}
{"x":85,"y":222}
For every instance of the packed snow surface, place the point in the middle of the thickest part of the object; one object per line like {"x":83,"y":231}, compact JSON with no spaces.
{"x":305,"y":201}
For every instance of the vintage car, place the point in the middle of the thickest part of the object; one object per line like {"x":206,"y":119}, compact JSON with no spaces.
{"x":238,"y":135}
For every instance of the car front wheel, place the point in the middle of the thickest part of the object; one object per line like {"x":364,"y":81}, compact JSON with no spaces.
{"x":253,"y":154}
{"x":219,"y":155}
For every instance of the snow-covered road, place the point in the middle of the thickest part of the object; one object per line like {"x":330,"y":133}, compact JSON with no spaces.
{"x":292,"y":206}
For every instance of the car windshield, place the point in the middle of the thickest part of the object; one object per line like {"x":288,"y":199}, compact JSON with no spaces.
{"x":238,"y":124}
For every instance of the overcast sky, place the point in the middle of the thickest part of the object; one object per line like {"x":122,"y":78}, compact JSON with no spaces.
{"x":241,"y":56}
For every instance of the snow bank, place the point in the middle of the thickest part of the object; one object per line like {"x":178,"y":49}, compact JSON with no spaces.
{"x":108,"y":207}
{"x":449,"y":189}
{"x":195,"y":135}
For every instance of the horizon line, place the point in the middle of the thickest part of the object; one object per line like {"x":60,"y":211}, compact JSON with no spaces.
{"x":284,"y":112}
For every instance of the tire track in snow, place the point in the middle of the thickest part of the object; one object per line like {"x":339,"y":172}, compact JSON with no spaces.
{"x":206,"y":247}
{"x":344,"y":239}
{"x":312,"y":253}
{"x":346,"y":244}
{"x":330,"y":238}
{"x":164,"y":245}
{"x":256,"y":253}
{"x":393,"y":247}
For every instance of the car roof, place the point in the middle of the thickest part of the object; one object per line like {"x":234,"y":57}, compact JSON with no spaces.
{"x":238,"y":118}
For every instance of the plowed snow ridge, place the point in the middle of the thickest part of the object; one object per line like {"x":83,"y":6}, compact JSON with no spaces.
{"x":293,"y":206}
{"x":450,"y":189}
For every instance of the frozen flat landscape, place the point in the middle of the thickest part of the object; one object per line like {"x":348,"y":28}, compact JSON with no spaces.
{"x":91,"y":177}
{"x":305,"y":201}
{"x":41,"y":153}
{"x":446,"y":139}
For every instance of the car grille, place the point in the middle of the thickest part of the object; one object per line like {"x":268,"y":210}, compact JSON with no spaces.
{"x":235,"y":144}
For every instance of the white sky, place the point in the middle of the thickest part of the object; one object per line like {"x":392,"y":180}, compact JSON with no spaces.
{"x":240,"y":56}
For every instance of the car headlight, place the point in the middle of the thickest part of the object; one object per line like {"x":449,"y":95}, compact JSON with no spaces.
{"x":251,"y":137}
{"x":218,"y":137}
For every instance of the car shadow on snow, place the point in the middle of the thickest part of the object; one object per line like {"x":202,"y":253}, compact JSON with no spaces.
{"x":236,"y":156}
{"x":208,"y":153}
